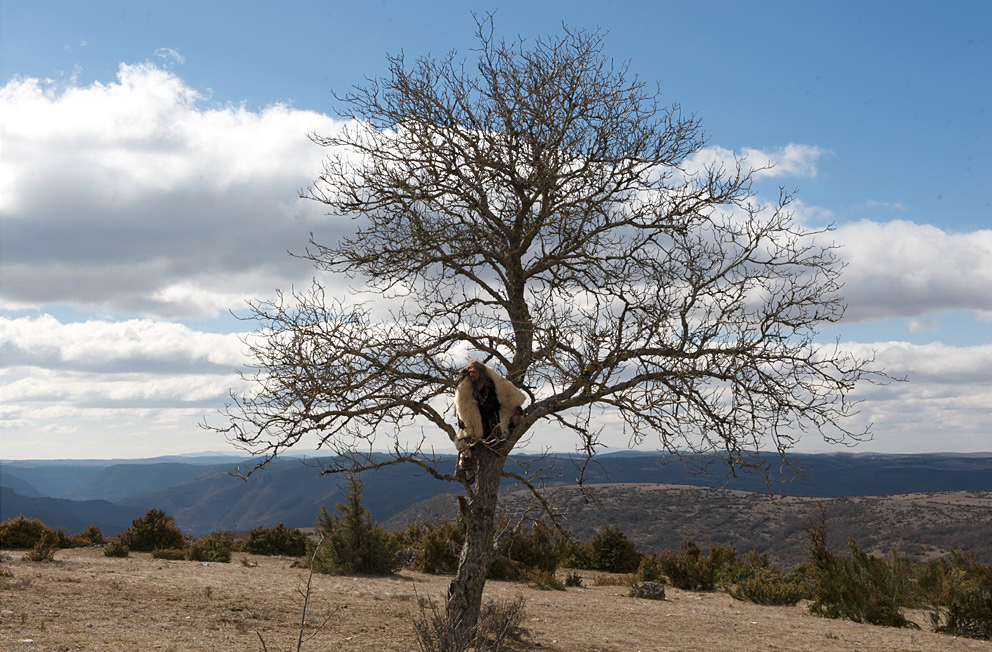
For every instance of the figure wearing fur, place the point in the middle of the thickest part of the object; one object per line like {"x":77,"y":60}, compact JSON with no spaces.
{"x":488,"y":406}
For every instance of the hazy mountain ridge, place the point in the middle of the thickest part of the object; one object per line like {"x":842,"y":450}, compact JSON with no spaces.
{"x":120,"y":481}
{"x":72,"y":515}
{"x":203,"y":495}
{"x":287,"y":491}
{"x":824,"y":475}
{"x":13,"y":482}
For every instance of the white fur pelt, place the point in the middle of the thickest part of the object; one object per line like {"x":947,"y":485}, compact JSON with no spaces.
{"x":509,"y":397}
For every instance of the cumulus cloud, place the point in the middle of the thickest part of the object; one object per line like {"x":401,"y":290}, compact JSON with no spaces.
{"x":900,"y":268}
{"x":793,"y":160}
{"x":135,"y":198}
{"x":101,"y":390}
{"x":139,"y":198}
{"x":127,"y":346}
{"x":135,"y":382}
{"x":944,"y":403}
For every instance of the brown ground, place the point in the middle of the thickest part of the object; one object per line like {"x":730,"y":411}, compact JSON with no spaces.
{"x":85,"y":601}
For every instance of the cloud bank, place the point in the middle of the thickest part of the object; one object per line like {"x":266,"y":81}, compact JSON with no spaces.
{"x":132,"y":198}
{"x":904,"y":269}
{"x":141,"y":204}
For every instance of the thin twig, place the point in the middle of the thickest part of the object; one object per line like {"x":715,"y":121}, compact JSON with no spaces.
{"x":306,"y":596}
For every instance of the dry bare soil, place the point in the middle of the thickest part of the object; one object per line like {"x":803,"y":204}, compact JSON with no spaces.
{"x":86,"y":601}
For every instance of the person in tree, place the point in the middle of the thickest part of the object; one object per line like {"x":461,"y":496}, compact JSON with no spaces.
{"x":488,"y":407}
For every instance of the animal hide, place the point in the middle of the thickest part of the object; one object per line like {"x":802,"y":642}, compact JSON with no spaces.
{"x":509,"y":397}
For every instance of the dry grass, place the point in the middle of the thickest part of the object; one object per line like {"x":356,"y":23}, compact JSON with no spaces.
{"x":86,"y":601}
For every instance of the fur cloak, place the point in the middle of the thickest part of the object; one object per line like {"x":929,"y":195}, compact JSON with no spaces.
{"x":509,"y":397}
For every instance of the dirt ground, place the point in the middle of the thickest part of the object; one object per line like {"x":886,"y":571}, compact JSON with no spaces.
{"x":86,"y":601}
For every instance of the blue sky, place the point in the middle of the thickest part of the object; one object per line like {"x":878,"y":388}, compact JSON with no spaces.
{"x":151,"y":155}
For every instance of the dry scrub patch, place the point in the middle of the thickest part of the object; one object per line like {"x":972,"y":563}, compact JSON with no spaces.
{"x":85,"y":601}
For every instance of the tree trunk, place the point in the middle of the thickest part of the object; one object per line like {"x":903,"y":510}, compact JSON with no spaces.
{"x":479,"y":514}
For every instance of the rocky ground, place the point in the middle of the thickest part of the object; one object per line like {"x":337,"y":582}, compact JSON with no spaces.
{"x":86,"y":601}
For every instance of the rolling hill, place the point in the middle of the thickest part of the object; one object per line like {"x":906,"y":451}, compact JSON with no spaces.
{"x":658,"y":517}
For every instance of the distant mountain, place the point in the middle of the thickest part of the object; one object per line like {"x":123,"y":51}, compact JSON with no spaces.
{"x":203,"y":496}
{"x":120,"y":481}
{"x":22,"y":487}
{"x":820,"y":475}
{"x":73,"y":515}
{"x":56,"y":480}
{"x":287,"y":491}
{"x":67,"y":478}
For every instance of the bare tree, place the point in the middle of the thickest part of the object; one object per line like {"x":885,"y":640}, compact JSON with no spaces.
{"x":543,"y":211}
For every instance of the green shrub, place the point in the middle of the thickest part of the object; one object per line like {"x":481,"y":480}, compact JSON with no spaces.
{"x":23,"y":533}
{"x":176,"y":554}
{"x":116,"y":548}
{"x":770,"y":587}
{"x":215,"y":547}
{"x":279,"y":540}
{"x":650,"y":569}
{"x":43,"y":550}
{"x":573,"y":580}
{"x":353,"y":542}
{"x":544,"y":580}
{"x":433,"y":548}
{"x":577,"y":555}
{"x":156,"y":529}
{"x":91,"y":536}
{"x":539,"y":547}
{"x":965,"y":600}
{"x":526,"y":550}
{"x":858,"y":588}
{"x":688,"y":569}
{"x":611,"y":551}
{"x":737,"y":570}
{"x":63,"y":539}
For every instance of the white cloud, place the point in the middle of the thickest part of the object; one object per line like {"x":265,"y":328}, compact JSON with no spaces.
{"x":934,"y":363}
{"x":88,"y":389}
{"x":945,"y":402}
{"x":793,"y":160}
{"x":60,"y":431}
{"x":135,"y":198}
{"x":126,"y":347}
{"x":900,"y":268}
{"x":170,"y":54}
{"x":923,"y":326}
{"x":895,"y":205}
{"x":119,"y":388}
{"x":131,"y":197}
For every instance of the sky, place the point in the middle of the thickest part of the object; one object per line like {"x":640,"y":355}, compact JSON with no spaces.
{"x":152,"y":154}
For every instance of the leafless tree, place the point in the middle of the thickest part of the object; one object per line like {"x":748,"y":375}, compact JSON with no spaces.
{"x":544,"y":211}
